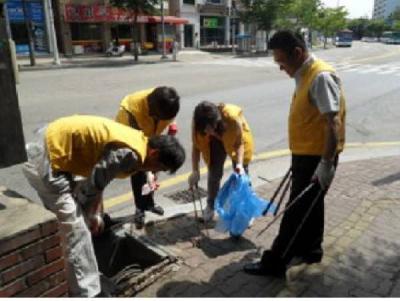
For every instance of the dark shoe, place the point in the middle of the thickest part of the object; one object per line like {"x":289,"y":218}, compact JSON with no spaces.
{"x":157,"y":210}
{"x":257,"y":269}
{"x":314,"y":257}
{"x":108,"y":221}
{"x":139,"y":219}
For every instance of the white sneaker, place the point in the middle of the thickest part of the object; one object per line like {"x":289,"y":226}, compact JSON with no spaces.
{"x":208,"y":215}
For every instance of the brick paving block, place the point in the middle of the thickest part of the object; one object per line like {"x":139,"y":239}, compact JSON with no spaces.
{"x":21,"y":269}
{"x":11,"y":289}
{"x":35,"y":290}
{"x":45,"y":271}
{"x":57,"y":291}
{"x":24,"y":238}
{"x":49,"y":227}
{"x":9,"y":260}
{"x":358,"y":292}
{"x":384,"y":288}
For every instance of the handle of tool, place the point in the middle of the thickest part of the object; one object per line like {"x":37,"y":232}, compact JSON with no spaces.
{"x":299,"y":196}
{"x":285,"y":190}
{"x":278,"y":189}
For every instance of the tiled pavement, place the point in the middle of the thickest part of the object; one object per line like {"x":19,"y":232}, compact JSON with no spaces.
{"x":361,"y":245}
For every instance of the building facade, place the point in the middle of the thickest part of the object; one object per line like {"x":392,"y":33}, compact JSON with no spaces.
{"x":36,"y":13}
{"x":210,"y":22}
{"x":384,"y":8}
{"x":85,"y":26}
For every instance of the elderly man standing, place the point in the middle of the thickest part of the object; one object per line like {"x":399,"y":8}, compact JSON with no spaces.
{"x":101,"y":150}
{"x":316,"y":138}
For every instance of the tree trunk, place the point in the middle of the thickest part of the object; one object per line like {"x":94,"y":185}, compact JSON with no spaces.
{"x":28,"y":25}
{"x":135,"y":37}
{"x":12,"y":143}
{"x":325,"y":41}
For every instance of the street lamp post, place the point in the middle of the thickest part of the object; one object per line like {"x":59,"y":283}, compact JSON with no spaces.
{"x":53,"y":37}
{"x":163,"y":56}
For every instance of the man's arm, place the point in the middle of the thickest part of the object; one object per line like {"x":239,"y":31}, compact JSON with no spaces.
{"x":113,"y":162}
{"x":332,"y":136}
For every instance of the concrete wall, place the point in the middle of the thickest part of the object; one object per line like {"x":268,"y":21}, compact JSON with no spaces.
{"x":31,"y":256}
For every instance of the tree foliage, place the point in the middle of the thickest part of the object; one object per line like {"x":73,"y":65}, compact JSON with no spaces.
{"x":331,"y":20}
{"x":135,"y":8}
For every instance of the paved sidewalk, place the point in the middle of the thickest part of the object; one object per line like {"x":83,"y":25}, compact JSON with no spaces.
{"x":100,"y":60}
{"x":361,"y":245}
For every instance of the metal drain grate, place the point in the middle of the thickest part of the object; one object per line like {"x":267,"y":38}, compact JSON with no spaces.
{"x":185,"y":196}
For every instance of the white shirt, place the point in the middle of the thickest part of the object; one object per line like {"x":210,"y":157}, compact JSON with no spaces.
{"x":325,"y":88}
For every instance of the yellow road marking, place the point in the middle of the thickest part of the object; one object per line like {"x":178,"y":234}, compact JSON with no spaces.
{"x":262,"y":156}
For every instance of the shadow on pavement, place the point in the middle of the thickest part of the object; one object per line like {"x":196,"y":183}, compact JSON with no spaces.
{"x":387,"y":180}
{"x":228,"y":281}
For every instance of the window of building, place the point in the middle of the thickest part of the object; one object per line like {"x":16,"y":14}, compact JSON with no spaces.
{"x":212,"y":30}
{"x":192,"y":2}
{"x":85,"y":31}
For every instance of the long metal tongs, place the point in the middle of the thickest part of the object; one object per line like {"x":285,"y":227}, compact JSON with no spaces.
{"x":195,"y":196}
{"x":286,"y":179}
{"x":295,"y":200}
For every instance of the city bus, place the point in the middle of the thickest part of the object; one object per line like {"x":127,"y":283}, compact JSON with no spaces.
{"x":344,"y":38}
{"x":391,"y":37}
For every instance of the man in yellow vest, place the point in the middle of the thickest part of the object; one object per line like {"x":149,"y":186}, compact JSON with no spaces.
{"x":218,"y":131}
{"x":100,"y":150}
{"x":316,"y":138}
{"x":150,"y":111}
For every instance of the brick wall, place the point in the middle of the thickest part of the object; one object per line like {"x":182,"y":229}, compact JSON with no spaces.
{"x":31,"y":257}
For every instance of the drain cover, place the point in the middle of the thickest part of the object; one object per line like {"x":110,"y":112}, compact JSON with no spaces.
{"x":186,"y":196}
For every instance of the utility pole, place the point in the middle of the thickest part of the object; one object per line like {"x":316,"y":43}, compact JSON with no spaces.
{"x":53,"y":36}
{"x":12,"y":143}
{"x":163,"y":56}
{"x":28,"y":25}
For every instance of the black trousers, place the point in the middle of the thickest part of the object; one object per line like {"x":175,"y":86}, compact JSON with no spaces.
{"x":142,"y":202}
{"x":309,"y":239}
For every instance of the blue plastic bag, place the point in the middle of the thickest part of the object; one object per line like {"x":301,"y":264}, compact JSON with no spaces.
{"x":237,"y":203}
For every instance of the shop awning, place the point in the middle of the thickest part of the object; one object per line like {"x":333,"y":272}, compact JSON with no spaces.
{"x":167,"y":20}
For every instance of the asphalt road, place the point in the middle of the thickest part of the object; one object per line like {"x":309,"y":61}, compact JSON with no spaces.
{"x":370,"y":73}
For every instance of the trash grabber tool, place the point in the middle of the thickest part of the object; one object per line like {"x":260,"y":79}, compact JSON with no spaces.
{"x":194,"y":204}
{"x":302,"y":223}
{"x":277,"y":191}
{"x":285,"y":190}
{"x":202,"y":211}
{"x":298,"y":197}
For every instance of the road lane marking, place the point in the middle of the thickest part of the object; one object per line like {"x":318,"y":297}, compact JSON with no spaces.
{"x":115,"y":201}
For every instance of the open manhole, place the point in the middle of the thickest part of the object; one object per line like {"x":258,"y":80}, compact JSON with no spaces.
{"x":186,"y":195}
{"x":129,"y":263}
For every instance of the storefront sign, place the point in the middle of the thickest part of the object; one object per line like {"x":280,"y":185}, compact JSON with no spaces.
{"x":210,"y":22}
{"x":98,"y":13}
{"x":34,"y":10}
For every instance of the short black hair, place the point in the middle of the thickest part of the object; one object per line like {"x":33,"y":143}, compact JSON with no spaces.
{"x":287,"y":41}
{"x":171,"y":152}
{"x":165,"y":102}
{"x":207,"y":113}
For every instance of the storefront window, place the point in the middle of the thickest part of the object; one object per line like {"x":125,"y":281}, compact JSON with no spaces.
{"x":35,"y":15}
{"x":212,"y":30}
{"x":88,"y":36}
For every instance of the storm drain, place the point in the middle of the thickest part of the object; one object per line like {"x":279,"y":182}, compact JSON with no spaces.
{"x":185,"y":196}
{"x":129,"y":263}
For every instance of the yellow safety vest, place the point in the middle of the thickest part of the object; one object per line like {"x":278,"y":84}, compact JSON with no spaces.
{"x":230,"y":115}
{"x":137,"y":105}
{"x":76,"y":143}
{"x":306,"y":123}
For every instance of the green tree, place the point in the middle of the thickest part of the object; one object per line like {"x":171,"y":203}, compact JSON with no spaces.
{"x":263,"y":13}
{"x":375,"y":28}
{"x":300,"y":14}
{"x":330,"y":20}
{"x":135,"y":8}
{"x":396,"y":25}
{"x":359,"y":27}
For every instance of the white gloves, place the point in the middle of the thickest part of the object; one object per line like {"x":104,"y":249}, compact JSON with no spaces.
{"x":324,"y":173}
{"x":194,"y":178}
{"x":151,"y":184}
{"x":239,"y":169}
